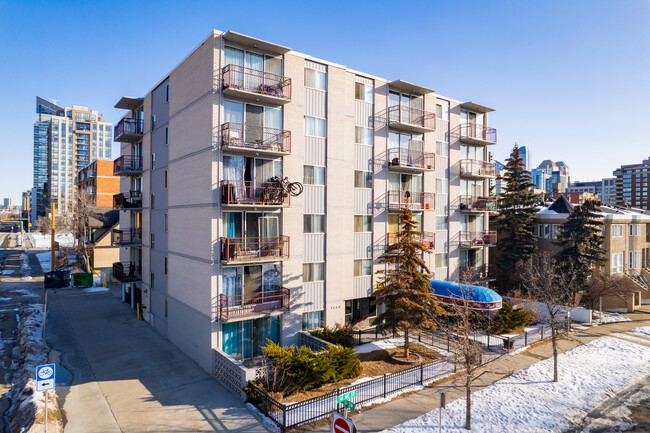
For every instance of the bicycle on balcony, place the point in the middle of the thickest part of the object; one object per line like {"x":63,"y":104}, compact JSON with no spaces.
{"x":293,"y":189}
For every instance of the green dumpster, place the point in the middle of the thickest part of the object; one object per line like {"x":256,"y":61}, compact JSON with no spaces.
{"x":82,"y":279}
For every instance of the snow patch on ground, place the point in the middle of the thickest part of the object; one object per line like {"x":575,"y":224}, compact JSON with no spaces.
{"x":392,"y":343}
{"x":45,"y":241}
{"x":97,"y":289}
{"x":529,"y":402}
{"x":268,"y":423}
{"x":610,"y":317}
{"x":644,"y":331}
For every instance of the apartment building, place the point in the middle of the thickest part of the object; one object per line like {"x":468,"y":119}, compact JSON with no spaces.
{"x":626,"y":240}
{"x":221,"y":258}
{"x":632,"y":185}
{"x":98,"y":182}
{"x":66,"y":139}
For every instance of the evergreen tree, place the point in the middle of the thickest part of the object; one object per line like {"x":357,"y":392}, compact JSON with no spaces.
{"x":515,"y":223}
{"x":581,"y":243}
{"x":405,"y":289}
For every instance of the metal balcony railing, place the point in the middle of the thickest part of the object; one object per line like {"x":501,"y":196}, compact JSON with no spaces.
{"x":474,"y":167}
{"x":410,"y":200}
{"x":127,"y":164}
{"x":127,"y":237}
{"x":428,"y":238}
{"x":411,"y":116}
{"x":477,"y":203}
{"x":252,"y":80}
{"x":255,"y":248}
{"x":131,"y":200}
{"x":474,"y":132}
{"x":128,"y":130}
{"x":470,"y":274}
{"x":411,"y":159}
{"x":244,"y":305}
{"x":125,"y":272}
{"x":239,"y":135}
{"x":478,"y":239}
{"x":241,"y":192}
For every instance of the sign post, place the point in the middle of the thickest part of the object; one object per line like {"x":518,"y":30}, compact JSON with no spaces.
{"x":45,"y":379}
{"x":344,"y":400}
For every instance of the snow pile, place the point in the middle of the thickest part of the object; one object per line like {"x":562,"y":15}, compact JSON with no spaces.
{"x":27,"y":410}
{"x":45,"y":241}
{"x":528,"y":401}
{"x":392,"y":343}
{"x":610,"y":317}
{"x":96,"y":289}
{"x":643,"y":331}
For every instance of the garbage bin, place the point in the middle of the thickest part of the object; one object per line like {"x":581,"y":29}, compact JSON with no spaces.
{"x":82,"y":279}
{"x":56,"y":279}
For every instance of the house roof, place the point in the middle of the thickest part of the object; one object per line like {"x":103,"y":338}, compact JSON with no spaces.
{"x":105,"y":220}
{"x":561,"y":205}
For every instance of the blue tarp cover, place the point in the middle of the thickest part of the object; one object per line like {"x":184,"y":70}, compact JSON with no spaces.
{"x":462,"y":291}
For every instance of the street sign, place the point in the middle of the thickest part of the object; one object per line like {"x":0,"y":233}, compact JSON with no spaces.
{"x":349,"y":405}
{"x":342,"y":425}
{"x":45,"y":377}
{"x":347,"y":396}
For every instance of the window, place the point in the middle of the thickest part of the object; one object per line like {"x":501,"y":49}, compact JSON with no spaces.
{"x":555,"y":231}
{"x":540,"y":230}
{"x":165,"y":179}
{"x":360,"y":309}
{"x":635,"y":229}
{"x":165,"y":265}
{"x":312,"y":320}
{"x":313,"y":272}
{"x":362,"y":267}
{"x":634,"y":261}
{"x":314,"y":175}
{"x":166,"y":135}
{"x":442,"y":148}
{"x":617,"y":263}
{"x":166,"y":221}
{"x":165,"y":307}
{"x":315,"y":127}
{"x":363,"y":135}
{"x":315,"y":79}
{"x":151,"y":280}
{"x":617,"y":230}
{"x":362,"y":179}
{"x":153,"y":121}
{"x":314,"y":224}
{"x":442,"y":223}
{"x":442,"y":111}
{"x":442,"y":186}
{"x":153,"y":239}
{"x":153,"y":201}
{"x":547,"y":231}
{"x":442,"y":260}
{"x":363,"y":92}
{"x":362,"y":223}
{"x":153,"y":161}
{"x":167,"y":93}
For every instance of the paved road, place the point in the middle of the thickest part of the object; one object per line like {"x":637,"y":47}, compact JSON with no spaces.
{"x":128,"y":378}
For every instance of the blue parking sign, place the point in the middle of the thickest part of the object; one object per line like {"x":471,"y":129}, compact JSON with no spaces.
{"x":45,"y":377}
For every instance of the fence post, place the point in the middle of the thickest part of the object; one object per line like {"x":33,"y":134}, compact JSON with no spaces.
{"x":525,"y":338}
{"x":488,"y":335}
{"x":338,"y":391}
{"x":542,"y":328}
{"x":384,"y":385}
{"x":448,"y":348}
{"x":284,"y":417}
{"x":359,"y":338}
{"x":421,"y":374}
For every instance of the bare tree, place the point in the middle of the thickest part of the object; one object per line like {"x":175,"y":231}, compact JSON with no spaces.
{"x":601,"y":284}
{"x":552,"y":285}
{"x":44,"y":225}
{"x":84,"y":210}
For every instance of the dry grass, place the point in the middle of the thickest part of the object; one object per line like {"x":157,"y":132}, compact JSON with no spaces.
{"x":373,"y":363}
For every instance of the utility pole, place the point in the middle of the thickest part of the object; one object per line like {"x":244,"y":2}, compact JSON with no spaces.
{"x":52,"y":268}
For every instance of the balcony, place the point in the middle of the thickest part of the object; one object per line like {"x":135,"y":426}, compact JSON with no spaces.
{"x":126,"y":272}
{"x":239,"y":136}
{"x":127,"y":237}
{"x":472,"y":274}
{"x":242,"y":250}
{"x":427,"y":238}
{"x":478,"y":239}
{"x":476,"y":168}
{"x":128,"y":130}
{"x":131,"y":200}
{"x":127,"y":165}
{"x":469,"y":203}
{"x":412,"y":200}
{"x":255,"y":85}
{"x":410,"y":160}
{"x":231,"y":306}
{"x":248,"y":193}
{"x":477,"y":134}
{"x":411,"y":119}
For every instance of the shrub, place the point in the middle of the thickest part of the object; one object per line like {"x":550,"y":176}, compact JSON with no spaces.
{"x":509,"y":319}
{"x":296,"y":369}
{"x":341,"y":335}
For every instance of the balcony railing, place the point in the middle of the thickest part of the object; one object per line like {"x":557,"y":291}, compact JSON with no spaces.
{"x":242,"y":192}
{"x":251,"y":80}
{"x":478,"y":204}
{"x":478,"y":239}
{"x":239,"y":135}
{"x":471,"y":274}
{"x":244,"y":305}
{"x":127,"y":237}
{"x":474,"y":167}
{"x":125,"y":272}
{"x":428,"y":238}
{"x":128,"y":130}
{"x":127,"y":164}
{"x":413,"y":117}
{"x":478,"y":133}
{"x":130,"y":200}
{"x":254,"y":249}
{"x":408,"y":158}
{"x":410,"y":200}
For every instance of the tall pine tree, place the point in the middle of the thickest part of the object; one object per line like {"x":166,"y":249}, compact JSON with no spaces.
{"x":581,"y":243}
{"x":515,"y":223}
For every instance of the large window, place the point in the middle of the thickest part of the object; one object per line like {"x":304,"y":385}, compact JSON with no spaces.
{"x":314,"y":175}
{"x":363,"y":135}
{"x":357,"y":310}
{"x":617,"y":263}
{"x":617,"y":230}
{"x":245,"y":339}
{"x":313,"y":272}
{"x":312,"y":320}
{"x":315,"y":79}
{"x":362,"y":267}
{"x":362,"y":223}
{"x":363,"y":92}
{"x":442,"y":260}
{"x":634,"y":260}
{"x":362,"y":179}
{"x":442,"y":111}
{"x":314,"y":224}
{"x":635,"y":229}
{"x":315,"y":127}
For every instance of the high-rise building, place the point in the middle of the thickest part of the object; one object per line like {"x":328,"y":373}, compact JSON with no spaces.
{"x":608,"y":189}
{"x":6,"y":202}
{"x":216,"y":252}
{"x":526,"y":156}
{"x":551,"y":177}
{"x":632,"y":185}
{"x":594,"y":188}
{"x":65,"y":141}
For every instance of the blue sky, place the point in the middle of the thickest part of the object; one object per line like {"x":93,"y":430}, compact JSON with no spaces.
{"x":569,"y":79}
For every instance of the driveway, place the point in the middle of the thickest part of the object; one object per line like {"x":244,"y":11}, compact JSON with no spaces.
{"x":128,"y":378}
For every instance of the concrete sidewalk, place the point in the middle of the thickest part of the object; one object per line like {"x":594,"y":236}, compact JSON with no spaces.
{"x":402,"y":409}
{"x":128,"y":378}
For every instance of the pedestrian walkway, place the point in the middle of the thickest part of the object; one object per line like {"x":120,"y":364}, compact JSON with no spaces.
{"x":402,"y":409}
